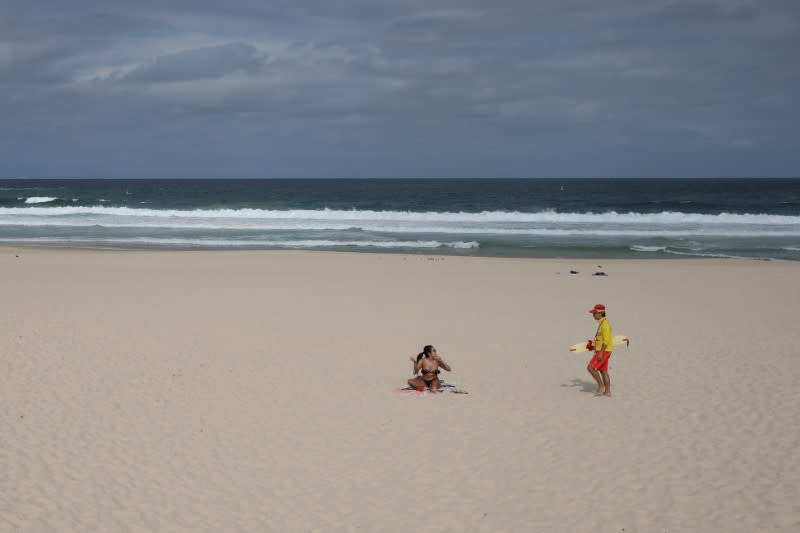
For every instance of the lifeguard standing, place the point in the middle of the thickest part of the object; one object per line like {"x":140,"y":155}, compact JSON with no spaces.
{"x":603,"y":345}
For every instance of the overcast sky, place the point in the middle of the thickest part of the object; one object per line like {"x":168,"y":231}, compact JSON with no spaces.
{"x":399,"y":88}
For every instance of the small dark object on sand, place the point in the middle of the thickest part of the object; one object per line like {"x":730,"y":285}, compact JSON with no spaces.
{"x":599,"y":274}
{"x":573,"y":271}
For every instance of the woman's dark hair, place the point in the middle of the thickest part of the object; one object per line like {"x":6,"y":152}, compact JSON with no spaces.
{"x":426,"y":351}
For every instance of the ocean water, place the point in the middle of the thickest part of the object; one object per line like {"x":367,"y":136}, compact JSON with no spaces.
{"x":599,"y":218}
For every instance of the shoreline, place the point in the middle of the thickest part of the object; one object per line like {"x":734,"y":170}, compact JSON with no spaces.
{"x":150,"y":249}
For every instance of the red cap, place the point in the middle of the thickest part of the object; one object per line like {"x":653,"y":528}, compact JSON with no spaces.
{"x":598,"y":308}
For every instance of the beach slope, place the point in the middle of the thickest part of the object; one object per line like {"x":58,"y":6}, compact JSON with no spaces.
{"x":253,"y":391}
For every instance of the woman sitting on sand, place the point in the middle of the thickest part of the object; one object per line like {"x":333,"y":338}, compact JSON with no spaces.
{"x":427,"y":361}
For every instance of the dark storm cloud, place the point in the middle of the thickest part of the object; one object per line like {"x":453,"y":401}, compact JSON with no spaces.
{"x":368,"y":87}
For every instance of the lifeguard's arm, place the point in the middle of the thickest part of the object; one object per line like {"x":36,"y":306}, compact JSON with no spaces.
{"x":601,"y":347}
{"x":608,"y":340}
{"x":443,"y":363}
{"x":417,"y":364}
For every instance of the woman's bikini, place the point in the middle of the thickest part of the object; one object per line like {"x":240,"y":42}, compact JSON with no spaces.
{"x":430,"y":375}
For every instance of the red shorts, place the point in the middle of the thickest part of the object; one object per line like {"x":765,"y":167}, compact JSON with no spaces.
{"x":602,"y":364}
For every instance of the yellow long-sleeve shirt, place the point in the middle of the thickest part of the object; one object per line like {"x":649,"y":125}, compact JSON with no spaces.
{"x":603,"y":336}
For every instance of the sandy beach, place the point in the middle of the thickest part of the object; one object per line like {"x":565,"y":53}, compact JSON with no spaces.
{"x":254,"y":391}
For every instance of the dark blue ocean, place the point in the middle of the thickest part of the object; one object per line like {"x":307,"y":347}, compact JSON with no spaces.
{"x":601,"y":218}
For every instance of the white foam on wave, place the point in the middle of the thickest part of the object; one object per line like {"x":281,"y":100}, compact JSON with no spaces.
{"x":541,"y":224}
{"x":40,"y":199}
{"x":709,"y":254}
{"x":546,"y":216}
{"x":397,"y":227}
{"x":308,"y":243}
{"x":643,"y":248}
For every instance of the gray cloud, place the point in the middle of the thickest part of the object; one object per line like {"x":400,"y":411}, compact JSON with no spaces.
{"x":381,"y":88}
{"x":705,"y":12}
{"x":199,"y":64}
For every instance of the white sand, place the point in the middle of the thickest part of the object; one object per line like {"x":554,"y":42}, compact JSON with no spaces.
{"x":252,"y":391}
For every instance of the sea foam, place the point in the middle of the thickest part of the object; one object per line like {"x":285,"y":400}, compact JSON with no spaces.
{"x":40,"y":199}
{"x":546,"y":216}
{"x":542,"y":223}
{"x":206,"y":242}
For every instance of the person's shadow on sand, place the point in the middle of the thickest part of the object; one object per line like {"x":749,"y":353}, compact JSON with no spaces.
{"x":585,"y":386}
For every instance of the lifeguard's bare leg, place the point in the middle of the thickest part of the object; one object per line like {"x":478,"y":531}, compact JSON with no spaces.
{"x":601,"y":389}
{"x":606,"y":383}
